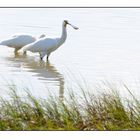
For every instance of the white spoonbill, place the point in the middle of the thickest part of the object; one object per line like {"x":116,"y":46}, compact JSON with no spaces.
{"x":45,"y":46}
{"x":18,"y":41}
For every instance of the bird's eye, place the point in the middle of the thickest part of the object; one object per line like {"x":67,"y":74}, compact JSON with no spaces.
{"x":65,"y":21}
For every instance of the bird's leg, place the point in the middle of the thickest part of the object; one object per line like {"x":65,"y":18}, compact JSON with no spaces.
{"x":24,"y":53}
{"x":16,"y":50}
{"x":48,"y":56}
{"x":42,"y":54}
{"x":41,"y":57}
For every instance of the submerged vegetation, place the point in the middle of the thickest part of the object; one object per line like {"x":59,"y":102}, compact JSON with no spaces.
{"x":104,"y":111}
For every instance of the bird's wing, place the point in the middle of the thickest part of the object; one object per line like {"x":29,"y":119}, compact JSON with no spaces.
{"x":18,"y":41}
{"x":41,"y":45}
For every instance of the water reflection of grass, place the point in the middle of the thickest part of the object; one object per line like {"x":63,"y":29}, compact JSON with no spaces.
{"x":106,"y":111}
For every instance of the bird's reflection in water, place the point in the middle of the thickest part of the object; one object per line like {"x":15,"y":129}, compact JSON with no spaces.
{"x":45,"y":71}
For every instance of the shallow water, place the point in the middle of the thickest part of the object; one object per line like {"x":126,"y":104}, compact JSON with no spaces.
{"x":105,"y":48}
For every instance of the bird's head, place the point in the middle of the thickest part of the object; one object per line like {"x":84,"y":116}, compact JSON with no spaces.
{"x":66,"y":22}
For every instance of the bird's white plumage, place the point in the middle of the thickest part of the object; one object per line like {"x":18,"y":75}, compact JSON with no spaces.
{"x":18,"y":41}
{"x":45,"y":46}
{"x":41,"y":45}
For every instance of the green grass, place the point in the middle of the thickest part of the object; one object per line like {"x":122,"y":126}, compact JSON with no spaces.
{"x":89,"y":111}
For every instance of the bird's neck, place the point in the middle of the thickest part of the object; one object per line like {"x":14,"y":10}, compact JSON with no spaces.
{"x":63,"y":36}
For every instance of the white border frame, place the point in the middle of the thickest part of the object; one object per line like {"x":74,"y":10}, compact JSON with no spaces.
{"x":70,"y":3}
{"x":71,"y":135}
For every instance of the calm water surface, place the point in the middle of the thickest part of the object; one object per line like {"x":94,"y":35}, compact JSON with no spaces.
{"x":105,"y":48}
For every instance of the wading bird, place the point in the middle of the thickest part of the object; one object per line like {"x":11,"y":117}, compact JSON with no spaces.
{"x":45,"y":46}
{"x":18,"y":41}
